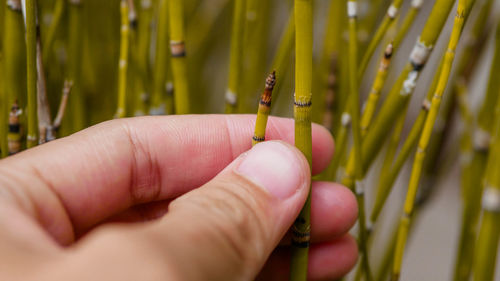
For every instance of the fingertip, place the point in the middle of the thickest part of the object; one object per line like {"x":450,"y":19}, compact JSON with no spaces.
{"x":332,"y":260}
{"x":334,"y":211}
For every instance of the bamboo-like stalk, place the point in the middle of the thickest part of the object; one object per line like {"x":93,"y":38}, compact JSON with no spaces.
{"x":235,"y":60}
{"x":31,"y":59}
{"x":160,"y":103}
{"x":463,"y":9}
{"x":392,"y":13}
{"x":77,"y":118}
{"x":54,"y":25}
{"x":402,"y":90}
{"x":13,"y":60}
{"x":471,"y":194}
{"x":178,"y":51}
{"x":264,"y":109}
{"x":353,"y":103}
{"x":123,"y":61}
{"x":378,"y":84}
{"x":487,"y":242}
{"x":387,"y":178}
{"x":301,"y":229}
{"x":142,"y":71}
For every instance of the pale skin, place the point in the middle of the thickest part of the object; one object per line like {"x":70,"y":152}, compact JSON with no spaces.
{"x":170,"y":198}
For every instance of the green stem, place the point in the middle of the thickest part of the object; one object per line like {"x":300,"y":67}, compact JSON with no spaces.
{"x":302,"y":111}
{"x":235,"y":60}
{"x":178,"y":51}
{"x":159,"y":99}
{"x":264,"y":109}
{"x":31,"y":39}
{"x":123,"y":62}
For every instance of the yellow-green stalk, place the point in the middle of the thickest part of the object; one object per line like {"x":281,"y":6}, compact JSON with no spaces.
{"x":54,"y":25}
{"x":143,"y":72}
{"x":392,"y":13}
{"x":31,"y":46}
{"x":77,"y":119}
{"x":13,"y":60}
{"x":178,"y":52}
{"x":264,"y":109}
{"x":378,"y":84}
{"x":402,"y":90}
{"x":489,"y":233}
{"x":235,"y":59}
{"x":353,"y":104}
{"x":160,"y":102}
{"x":301,"y":230}
{"x":388,"y":177}
{"x":123,"y":62}
{"x":471,"y":194}
{"x":463,"y":9}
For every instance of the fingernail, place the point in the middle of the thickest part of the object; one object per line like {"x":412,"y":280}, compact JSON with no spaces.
{"x":275,"y":167}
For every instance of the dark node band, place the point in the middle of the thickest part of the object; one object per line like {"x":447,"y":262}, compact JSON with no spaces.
{"x":417,"y":66}
{"x":265,"y":102}
{"x":299,"y":244}
{"x":302,"y":104}
{"x":14,"y":128}
{"x":258,"y":139}
{"x":177,"y":49}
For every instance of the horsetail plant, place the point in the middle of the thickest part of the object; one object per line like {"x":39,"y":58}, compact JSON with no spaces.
{"x":399,"y":96}
{"x":178,"y":52}
{"x":235,"y":57}
{"x":123,"y":62}
{"x":160,"y":102}
{"x":264,"y":109}
{"x":353,"y":103}
{"x":463,"y":9}
{"x":29,"y":8}
{"x":301,"y":229}
{"x":392,"y":13}
{"x":489,"y":233}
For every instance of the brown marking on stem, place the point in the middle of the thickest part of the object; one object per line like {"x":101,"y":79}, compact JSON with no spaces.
{"x":177,"y":49}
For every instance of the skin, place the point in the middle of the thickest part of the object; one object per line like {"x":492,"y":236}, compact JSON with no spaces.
{"x":170,"y":198}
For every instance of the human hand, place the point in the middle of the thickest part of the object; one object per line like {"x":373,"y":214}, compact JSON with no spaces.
{"x":58,"y":202}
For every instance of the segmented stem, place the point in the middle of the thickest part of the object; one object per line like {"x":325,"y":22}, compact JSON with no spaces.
{"x":235,"y":60}
{"x":178,"y":52}
{"x":123,"y":62}
{"x":31,"y":58}
{"x":425,"y":137}
{"x":264,"y":109}
{"x":301,"y":230}
{"x":159,"y":98}
{"x":392,"y":13}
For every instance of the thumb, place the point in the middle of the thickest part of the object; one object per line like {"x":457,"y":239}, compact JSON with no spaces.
{"x":227,"y":229}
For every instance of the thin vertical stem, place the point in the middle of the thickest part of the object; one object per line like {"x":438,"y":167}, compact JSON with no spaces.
{"x":178,"y":51}
{"x":302,"y":111}
{"x":54,"y":25}
{"x":123,"y":62}
{"x":159,"y":99}
{"x":235,"y":60}
{"x":31,"y":58}
{"x":264,"y":109}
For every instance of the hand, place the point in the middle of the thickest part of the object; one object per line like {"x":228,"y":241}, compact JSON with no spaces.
{"x":227,"y":211}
